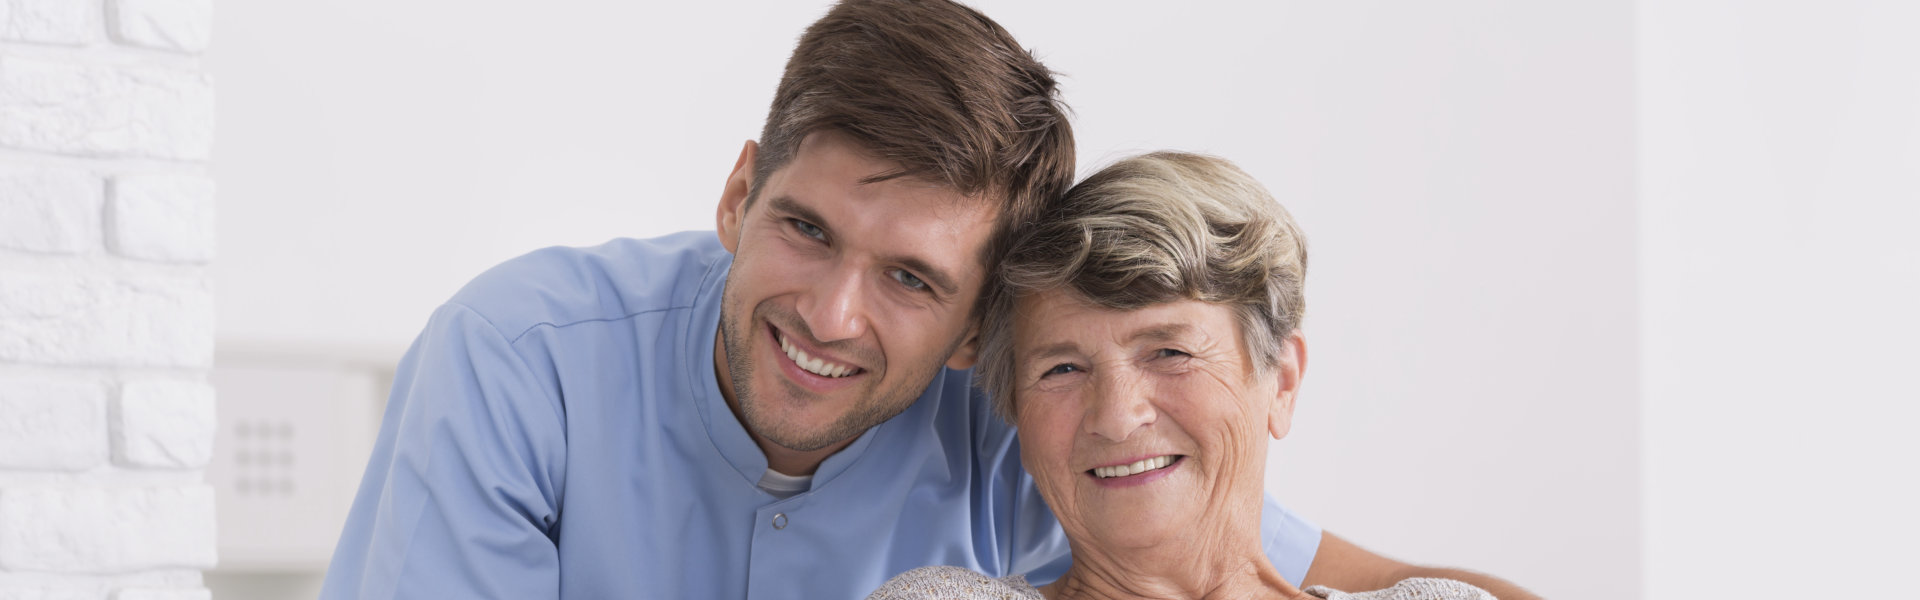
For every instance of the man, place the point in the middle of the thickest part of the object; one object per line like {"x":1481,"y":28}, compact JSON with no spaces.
{"x":780,"y":410}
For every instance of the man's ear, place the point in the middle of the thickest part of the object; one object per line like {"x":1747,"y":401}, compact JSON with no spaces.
{"x":968,"y":352}
{"x":732,"y":213}
{"x":1292,"y":368}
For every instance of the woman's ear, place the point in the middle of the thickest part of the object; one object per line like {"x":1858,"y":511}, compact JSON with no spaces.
{"x":1292,"y":367}
{"x":732,"y":212}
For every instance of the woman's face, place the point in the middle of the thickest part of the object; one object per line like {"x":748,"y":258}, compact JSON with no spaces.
{"x":1147,"y":425}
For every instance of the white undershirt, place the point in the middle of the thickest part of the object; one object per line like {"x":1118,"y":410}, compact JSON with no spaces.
{"x":784,"y":486}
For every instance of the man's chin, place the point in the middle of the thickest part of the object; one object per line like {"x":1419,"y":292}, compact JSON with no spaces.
{"x":801,"y":425}
{"x":805,"y":439}
{"x":787,"y":421}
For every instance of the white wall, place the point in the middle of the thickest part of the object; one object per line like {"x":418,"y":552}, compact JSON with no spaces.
{"x":390,"y":151}
{"x":1780,"y":170}
{"x":1464,"y":173}
{"x":106,"y":312}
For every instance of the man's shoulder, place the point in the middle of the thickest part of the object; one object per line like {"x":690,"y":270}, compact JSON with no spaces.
{"x":563,"y":285}
{"x":965,"y":415}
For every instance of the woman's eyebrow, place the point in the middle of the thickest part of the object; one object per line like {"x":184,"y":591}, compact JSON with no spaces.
{"x":1160,"y":333}
{"x":1053,"y":350}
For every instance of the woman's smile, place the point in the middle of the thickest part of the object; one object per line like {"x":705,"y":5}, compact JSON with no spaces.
{"x":1135,"y":473}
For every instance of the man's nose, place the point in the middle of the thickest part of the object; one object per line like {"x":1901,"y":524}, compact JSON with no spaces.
{"x":1120,"y":406}
{"x":834,"y":308}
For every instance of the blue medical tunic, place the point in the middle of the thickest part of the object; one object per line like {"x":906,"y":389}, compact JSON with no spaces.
{"x":557,"y":432}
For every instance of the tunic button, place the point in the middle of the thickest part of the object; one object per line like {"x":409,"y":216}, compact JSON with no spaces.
{"x":780,"y":520}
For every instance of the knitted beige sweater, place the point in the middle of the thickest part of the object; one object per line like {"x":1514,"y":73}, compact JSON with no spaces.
{"x":955,"y":583}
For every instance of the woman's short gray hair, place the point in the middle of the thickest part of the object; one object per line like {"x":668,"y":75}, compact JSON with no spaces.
{"x":1156,"y":228}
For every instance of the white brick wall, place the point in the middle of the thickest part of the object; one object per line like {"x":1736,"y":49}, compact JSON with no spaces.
{"x":45,"y":594}
{"x":65,"y":22}
{"x":164,"y":425}
{"x":178,"y":25}
{"x":76,"y":317}
{"x":95,"y":529}
{"x":78,"y":108}
{"x":52,"y":425}
{"x":154,"y":594}
{"x":167,"y":217}
{"x":106,"y":311}
{"x":49,"y":209}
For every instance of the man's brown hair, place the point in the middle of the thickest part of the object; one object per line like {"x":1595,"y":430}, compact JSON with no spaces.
{"x":932,"y":86}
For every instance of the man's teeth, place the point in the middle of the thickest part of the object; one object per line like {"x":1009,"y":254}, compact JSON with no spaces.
{"x":1139,"y":466}
{"x":813,"y":365}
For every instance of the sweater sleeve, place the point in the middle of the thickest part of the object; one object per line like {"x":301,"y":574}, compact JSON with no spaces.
{"x":1416,"y":588}
{"x":953,"y":583}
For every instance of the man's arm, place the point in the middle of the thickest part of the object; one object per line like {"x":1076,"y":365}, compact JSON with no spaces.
{"x":1341,"y":565}
{"x":461,"y":497}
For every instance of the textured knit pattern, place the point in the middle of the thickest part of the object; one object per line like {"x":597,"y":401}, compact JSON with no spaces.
{"x":1418,"y":588}
{"x":955,"y":583}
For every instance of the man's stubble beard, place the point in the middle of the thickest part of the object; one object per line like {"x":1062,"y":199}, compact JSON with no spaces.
{"x":864,"y":416}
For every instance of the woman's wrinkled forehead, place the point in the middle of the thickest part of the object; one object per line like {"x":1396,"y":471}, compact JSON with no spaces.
{"x":1064,"y":321}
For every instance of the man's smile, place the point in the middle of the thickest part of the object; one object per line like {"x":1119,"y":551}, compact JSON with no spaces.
{"x":814,"y":364}
{"x":811,"y":368}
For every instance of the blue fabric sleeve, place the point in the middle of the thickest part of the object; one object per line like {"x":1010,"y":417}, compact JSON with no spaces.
{"x":461,"y":497}
{"x":1290,"y":541}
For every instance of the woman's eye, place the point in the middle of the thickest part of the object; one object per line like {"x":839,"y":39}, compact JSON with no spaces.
{"x":907,"y":279}
{"x":809,"y":229}
{"x":1060,"y":369}
{"x":1169,"y":353}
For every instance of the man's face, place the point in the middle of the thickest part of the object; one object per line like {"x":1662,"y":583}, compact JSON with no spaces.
{"x":845,"y":298}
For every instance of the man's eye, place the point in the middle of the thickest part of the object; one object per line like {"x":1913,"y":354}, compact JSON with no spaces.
{"x":809,"y":229}
{"x":907,"y":279}
{"x":1060,"y":369}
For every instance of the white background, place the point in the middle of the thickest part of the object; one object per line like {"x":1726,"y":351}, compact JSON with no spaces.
{"x":1610,"y":303}
{"x":1780,"y":275}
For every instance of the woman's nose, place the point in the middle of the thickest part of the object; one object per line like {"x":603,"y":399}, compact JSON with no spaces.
{"x":1120,"y":406}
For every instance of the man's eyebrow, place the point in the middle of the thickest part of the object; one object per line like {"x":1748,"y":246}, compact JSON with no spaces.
{"x":926,"y":272}
{"x":786,"y":204}
{"x":939,"y":279}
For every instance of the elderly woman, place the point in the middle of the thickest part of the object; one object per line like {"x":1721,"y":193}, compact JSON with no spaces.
{"x":1152,"y":347}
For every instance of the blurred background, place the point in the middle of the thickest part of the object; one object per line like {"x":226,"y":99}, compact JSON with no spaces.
{"x":1612,"y":299}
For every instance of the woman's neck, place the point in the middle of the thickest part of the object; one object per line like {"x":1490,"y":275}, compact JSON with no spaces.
{"x":1172,"y":571}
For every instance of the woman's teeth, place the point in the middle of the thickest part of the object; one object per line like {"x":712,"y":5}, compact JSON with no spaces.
{"x":814,"y":365}
{"x":1139,"y":466}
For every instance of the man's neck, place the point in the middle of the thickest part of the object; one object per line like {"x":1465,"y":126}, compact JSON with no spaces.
{"x":781,"y":459}
{"x":793,"y":462}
